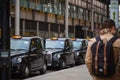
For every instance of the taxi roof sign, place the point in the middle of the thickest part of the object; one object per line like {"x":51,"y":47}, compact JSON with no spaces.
{"x":73,"y":39}
{"x":16,"y":37}
{"x":54,"y":38}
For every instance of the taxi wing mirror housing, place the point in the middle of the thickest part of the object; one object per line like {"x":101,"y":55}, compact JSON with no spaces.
{"x":67,"y":48}
{"x":33,"y":49}
{"x":84,"y":48}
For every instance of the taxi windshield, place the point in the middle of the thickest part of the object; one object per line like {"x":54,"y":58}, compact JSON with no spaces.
{"x":53,"y":44}
{"x":19,"y":44}
{"x":77,"y":44}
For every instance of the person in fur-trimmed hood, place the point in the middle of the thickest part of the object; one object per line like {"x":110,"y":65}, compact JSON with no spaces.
{"x":107,"y":32}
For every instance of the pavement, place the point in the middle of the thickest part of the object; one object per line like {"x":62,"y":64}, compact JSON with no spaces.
{"x":75,"y":73}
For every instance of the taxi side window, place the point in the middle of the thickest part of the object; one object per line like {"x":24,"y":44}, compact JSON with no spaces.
{"x":39,"y":44}
{"x":68,"y":44}
{"x":84,"y":44}
{"x":36,"y":45}
{"x":33,"y":46}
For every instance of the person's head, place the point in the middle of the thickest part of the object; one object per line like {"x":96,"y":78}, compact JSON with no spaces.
{"x":109,"y":24}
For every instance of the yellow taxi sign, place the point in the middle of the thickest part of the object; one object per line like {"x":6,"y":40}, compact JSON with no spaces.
{"x":54,"y":38}
{"x":17,"y":37}
{"x":73,"y":39}
{"x":88,"y":38}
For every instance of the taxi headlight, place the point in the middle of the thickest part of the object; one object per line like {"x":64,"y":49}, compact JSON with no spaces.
{"x":58,"y":56}
{"x":77,"y":53}
{"x":19,"y":60}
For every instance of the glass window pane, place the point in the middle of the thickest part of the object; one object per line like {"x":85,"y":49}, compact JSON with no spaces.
{"x":81,"y":13}
{"x":86,"y":15}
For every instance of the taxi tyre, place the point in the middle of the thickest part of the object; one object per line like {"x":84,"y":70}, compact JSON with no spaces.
{"x":62,"y":64}
{"x":79,"y":61}
{"x":43,"y":70}
{"x":25,"y":71}
{"x":73,"y":64}
{"x":83,"y":58}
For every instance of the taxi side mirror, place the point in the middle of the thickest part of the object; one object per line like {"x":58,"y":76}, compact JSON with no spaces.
{"x":84,"y":48}
{"x":33,"y":49}
{"x":67,"y":48}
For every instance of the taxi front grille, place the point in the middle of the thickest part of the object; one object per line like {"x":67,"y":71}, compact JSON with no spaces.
{"x":49,"y":57}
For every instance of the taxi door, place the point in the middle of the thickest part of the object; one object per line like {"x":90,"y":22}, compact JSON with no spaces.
{"x":69,"y":55}
{"x":36,"y":56}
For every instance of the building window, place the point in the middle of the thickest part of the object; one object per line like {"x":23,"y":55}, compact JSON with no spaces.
{"x":95,"y":17}
{"x":80,"y":13}
{"x":100,"y":18}
{"x":69,"y":9}
{"x":86,"y":18}
{"x":88,"y":14}
{"x":72,"y":11}
{"x":74,"y":7}
{"x":61,"y":7}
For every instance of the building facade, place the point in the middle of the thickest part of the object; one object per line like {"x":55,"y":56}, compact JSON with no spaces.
{"x":45,"y":18}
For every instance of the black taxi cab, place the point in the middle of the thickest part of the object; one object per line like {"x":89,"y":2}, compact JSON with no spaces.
{"x":59,"y":52}
{"x":27,"y":55}
{"x":80,"y":47}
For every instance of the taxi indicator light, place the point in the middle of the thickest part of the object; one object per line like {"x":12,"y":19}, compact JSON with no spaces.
{"x":73,"y":39}
{"x":54,"y":38}
{"x":17,"y":37}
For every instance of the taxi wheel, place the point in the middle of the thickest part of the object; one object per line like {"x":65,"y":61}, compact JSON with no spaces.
{"x":43,"y":70}
{"x":84,"y":58}
{"x":25,"y":72}
{"x":73,"y":64}
{"x":79,"y":61}
{"x":62,"y":64}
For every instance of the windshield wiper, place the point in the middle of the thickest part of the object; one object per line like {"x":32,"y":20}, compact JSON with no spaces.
{"x":21,"y":49}
{"x":49,"y":48}
{"x":58,"y":48}
{"x":13,"y":49}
